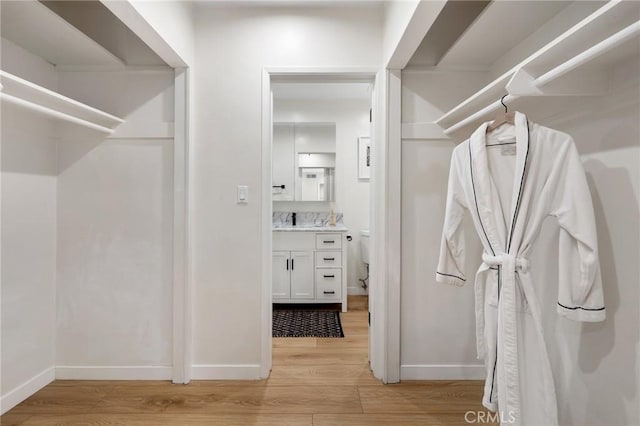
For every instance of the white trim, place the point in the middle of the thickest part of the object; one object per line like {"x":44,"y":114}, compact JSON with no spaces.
{"x":266,"y":224}
{"x":159,"y":131}
{"x":101,"y":372}
{"x":108,"y":68}
{"x":140,"y":138}
{"x":349,"y":73}
{"x":182,"y":307}
{"x":377,"y":204}
{"x":393,"y":219}
{"x":18,"y":394}
{"x":442,"y":372}
{"x":422,"y":131}
{"x":444,"y":70}
{"x":227,"y":372}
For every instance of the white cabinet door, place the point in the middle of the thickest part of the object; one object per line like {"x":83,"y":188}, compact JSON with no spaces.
{"x":302,"y":276}
{"x":281,"y":277}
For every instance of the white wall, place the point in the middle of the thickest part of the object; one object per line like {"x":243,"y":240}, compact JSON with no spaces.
{"x":17,"y":61}
{"x":29,"y":167}
{"x":114,"y":254}
{"x":352,"y":195}
{"x":596,"y":365}
{"x":232,"y":47}
{"x":437,"y":321}
{"x":115,"y":222}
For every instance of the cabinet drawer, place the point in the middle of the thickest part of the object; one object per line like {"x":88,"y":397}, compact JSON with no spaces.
{"x":329,"y":284}
{"x":328,"y":241}
{"x":290,"y":241}
{"x":328,"y":259}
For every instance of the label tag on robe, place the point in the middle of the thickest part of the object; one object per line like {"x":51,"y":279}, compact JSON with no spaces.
{"x":508,"y":150}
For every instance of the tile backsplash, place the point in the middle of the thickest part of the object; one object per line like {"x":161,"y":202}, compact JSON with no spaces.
{"x":305,"y":218}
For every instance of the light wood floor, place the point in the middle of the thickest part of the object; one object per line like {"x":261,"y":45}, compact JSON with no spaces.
{"x":321,"y":382}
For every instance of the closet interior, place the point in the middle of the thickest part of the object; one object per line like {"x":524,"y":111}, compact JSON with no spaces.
{"x":87,"y":190}
{"x":569,"y":65}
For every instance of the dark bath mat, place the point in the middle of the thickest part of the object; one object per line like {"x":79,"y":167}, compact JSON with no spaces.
{"x":305,"y":323}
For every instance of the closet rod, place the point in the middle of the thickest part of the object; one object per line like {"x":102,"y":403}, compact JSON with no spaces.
{"x":589,"y":54}
{"x":53,"y":113}
{"x":567,"y":66}
{"x":571,"y":32}
{"x":484,"y":111}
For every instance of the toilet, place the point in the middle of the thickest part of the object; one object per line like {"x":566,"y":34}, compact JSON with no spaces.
{"x":364,"y":246}
{"x":364,"y":255}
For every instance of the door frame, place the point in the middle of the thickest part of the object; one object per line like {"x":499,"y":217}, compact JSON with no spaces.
{"x":384,"y":341}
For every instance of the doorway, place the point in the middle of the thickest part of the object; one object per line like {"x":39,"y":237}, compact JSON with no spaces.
{"x":304,"y":115}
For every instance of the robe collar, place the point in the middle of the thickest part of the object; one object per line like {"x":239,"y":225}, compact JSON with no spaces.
{"x":485,"y":191}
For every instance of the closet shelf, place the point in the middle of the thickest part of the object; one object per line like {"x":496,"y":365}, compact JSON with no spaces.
{"x":597,"y":36}
{"x":25,"y":94}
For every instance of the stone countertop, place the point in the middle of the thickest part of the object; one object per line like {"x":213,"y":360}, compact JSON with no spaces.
{"x":337,"y":228}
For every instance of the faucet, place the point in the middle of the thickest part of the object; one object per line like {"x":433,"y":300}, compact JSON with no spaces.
{"x":293,"y":219}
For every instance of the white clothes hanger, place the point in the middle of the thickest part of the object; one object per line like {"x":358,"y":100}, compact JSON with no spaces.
{"x":501,"y":118}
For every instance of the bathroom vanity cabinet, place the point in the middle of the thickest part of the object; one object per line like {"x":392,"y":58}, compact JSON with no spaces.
{"x":309,"y":266}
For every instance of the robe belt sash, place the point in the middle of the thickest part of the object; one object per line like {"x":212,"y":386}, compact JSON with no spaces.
{"x":507,"y":325}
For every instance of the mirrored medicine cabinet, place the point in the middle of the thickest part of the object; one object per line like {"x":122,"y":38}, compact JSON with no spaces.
{"x":304,"y":161}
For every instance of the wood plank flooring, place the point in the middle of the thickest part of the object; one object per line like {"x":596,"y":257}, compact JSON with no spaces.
{"x":314,"y":381}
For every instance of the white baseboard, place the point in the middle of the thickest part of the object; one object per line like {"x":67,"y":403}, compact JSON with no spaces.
{"x":357,"y":291}
{"x":442,"y":372}
{"x":17,"y":395}
{"x":95,"y":372}
{"x":226,"y":372}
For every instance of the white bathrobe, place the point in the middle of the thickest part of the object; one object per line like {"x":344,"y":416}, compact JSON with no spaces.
{"x":509,"y":189}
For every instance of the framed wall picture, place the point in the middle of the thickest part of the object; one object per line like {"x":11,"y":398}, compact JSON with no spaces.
{"x":364,"y":158}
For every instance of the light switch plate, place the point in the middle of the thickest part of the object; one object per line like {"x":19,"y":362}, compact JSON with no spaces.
{"x":243,"y":194}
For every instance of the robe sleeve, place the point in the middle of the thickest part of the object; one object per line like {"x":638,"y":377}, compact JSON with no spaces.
{"x":580,"y":295}
{"x":451,"y":266}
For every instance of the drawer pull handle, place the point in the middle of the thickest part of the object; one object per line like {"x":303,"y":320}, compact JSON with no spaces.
{"x":329,"y":292}
{"x":329,"y":241}
{"x":329,"y":258}
{"x":287,"y":264}
{"x":329,"y":276}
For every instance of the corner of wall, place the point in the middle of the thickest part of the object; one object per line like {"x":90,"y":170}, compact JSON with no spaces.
{"x":17,"y":395}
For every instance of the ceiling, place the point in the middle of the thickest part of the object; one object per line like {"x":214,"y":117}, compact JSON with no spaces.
{"x":291,"y":3}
